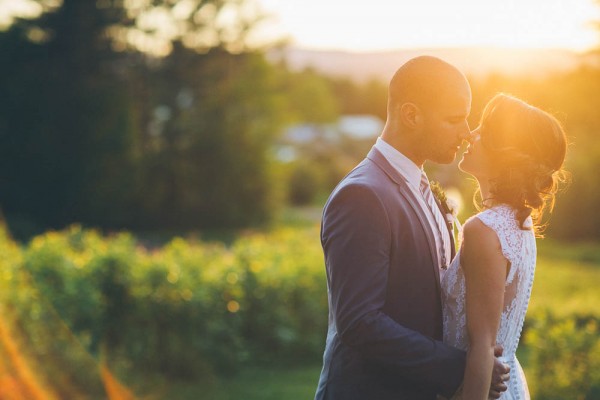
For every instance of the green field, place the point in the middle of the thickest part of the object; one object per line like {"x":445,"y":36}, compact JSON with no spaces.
{"x":567,"y":279}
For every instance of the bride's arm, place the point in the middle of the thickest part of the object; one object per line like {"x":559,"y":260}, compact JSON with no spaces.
{"x":484,"y":267}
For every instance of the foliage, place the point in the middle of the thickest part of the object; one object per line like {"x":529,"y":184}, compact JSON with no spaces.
{"x":366,"y":98}
{"x":107,"y":134}
{"x":562,"y":328}
{"x":570,"y":95}
{"x":184,"y":311}
{"x":122,"y":128}
{"x":206,"y":162}
{"x":311,"y":97}
{"x":304,"y":183}
{"x":189,"y":310}
{"x":565,"y":354}
{"x":319,"y":167}
{"x":566,"y":286}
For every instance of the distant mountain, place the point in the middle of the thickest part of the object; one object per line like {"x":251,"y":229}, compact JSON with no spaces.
{"x":472,"y":61}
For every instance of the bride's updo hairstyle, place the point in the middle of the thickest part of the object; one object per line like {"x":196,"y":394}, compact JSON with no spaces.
{"x":526,"y":147}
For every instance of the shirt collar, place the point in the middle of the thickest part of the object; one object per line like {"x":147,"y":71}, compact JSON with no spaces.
{"x":404,"y":165}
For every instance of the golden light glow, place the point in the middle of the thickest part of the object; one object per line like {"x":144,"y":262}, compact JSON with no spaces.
{"x":12,"y":8}
{"x":386,"y":25}
{"x":380,"y":25}
{"x":232,"y":278}
{"x":233,"y":306}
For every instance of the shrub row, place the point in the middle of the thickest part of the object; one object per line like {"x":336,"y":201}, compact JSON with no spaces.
{"x":192,"y":308}
{"x":180,"y":310}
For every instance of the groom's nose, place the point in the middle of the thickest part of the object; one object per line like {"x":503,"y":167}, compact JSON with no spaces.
{"x":472,"y":136}
{"x":466,"y":134}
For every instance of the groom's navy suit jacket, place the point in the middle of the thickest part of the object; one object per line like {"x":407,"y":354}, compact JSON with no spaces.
{"x":385,"y":316}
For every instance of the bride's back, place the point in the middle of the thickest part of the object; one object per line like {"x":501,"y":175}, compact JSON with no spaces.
{"x":519,"y":248}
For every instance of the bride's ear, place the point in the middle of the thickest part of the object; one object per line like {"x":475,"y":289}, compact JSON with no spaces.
{"x":410,"y":115}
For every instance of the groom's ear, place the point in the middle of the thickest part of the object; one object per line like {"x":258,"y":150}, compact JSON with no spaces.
{"x":410,"y":115}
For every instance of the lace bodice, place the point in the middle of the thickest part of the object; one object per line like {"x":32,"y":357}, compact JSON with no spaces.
{"x":518,"y":247}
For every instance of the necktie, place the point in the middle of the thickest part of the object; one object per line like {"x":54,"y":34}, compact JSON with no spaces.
{"x":443,"y":233}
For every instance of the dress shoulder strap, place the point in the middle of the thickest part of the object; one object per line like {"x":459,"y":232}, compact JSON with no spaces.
{"x":501,"y":219}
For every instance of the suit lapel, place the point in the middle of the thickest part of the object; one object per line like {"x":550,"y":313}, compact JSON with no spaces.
{"x":375,"y":156}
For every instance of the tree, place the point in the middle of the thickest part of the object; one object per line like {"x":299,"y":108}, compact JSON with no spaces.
{"x":61,"y":120}
{"x":106,"y":115}
{"x":206,"y":164}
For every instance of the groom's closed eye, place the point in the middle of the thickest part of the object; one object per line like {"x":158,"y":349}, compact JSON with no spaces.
{"x":456,"y":120}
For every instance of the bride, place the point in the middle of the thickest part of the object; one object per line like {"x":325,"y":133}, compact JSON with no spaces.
{"x":516,"y":155}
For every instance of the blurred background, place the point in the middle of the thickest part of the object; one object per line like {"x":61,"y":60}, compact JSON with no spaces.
{"x":164,"y":163}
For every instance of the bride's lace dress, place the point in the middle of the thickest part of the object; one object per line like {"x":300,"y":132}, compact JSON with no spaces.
{"x":518,"y":247}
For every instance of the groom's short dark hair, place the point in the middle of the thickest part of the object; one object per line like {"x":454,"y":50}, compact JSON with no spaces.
{"x":421,"y":80}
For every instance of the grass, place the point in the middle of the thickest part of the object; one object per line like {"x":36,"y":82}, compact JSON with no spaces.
{"x":261,"y":383}
{"x":567,"y":286}
{"x":584,"y":252}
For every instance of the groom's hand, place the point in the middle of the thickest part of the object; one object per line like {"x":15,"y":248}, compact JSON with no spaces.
{"x":500,"y":375}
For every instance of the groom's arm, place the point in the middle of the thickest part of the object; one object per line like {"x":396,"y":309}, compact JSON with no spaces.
{"x":356,"y":239}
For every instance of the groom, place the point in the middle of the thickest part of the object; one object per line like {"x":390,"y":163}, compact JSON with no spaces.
{"x":386,"y":245}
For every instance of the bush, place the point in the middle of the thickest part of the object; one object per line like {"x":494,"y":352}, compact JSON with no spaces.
{"x":565,"y":357}
{"x":188,"y":310}
{"x":182,"y":311}
{"x":305,"y":182}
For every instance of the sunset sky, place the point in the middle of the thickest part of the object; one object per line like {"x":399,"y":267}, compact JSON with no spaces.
{"x":396,"y":24}
{"x":393,"y":24}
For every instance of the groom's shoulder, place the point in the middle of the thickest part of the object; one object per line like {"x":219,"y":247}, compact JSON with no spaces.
{"x":366,"y":179}
{"x":366,"y":173}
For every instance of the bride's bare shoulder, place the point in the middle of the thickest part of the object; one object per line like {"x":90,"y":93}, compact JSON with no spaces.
{"x":480,"y":242}
{"x":474,"y":226}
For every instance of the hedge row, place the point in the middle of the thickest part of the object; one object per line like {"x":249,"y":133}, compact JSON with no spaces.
{"x":190,"y":309}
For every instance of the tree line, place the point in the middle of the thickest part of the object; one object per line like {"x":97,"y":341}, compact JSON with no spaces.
{"x":95,"y":129}
{"x":107,"y":122}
